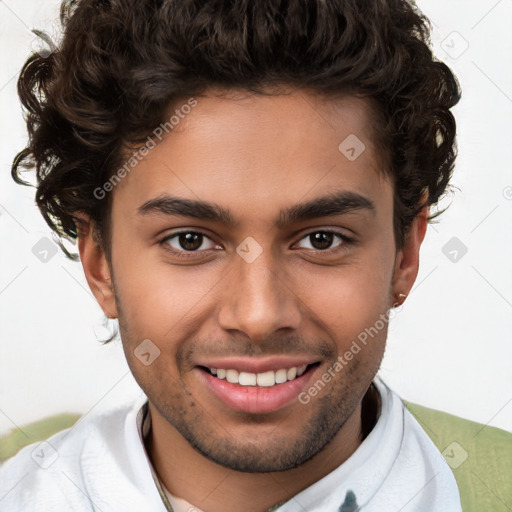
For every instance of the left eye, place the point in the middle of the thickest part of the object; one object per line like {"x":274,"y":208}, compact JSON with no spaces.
{"x":323,"y":240}
{"x":188,"y":241}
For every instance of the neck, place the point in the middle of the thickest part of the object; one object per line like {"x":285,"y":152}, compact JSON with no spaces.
{"x":189,"y":475}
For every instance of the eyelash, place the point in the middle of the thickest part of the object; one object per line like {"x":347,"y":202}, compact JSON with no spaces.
{"x":183,"y":254}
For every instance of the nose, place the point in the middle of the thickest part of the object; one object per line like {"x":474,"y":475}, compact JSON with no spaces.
{"x":258,"y":299}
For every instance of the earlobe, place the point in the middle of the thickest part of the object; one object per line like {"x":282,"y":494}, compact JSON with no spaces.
{"x":96,"y":269}
{"x":408,"y":258}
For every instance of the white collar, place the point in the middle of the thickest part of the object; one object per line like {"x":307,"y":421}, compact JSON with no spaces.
{"x":396,"y":456}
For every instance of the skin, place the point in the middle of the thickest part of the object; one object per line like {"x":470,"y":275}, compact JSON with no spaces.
{"x":253,"y":155}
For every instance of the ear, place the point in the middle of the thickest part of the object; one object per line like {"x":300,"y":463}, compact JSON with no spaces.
{"x":96,"y":269}
{"x":408,"y":258}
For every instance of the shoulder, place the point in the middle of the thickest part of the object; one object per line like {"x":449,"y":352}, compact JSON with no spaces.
{"x":84,"y":456}
{"x":479,"y":456}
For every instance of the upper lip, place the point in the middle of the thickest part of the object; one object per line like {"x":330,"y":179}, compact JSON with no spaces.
{"x":256,"y":365}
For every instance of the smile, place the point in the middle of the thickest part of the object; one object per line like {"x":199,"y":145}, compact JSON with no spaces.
{"x":265,"y":379}
{"x":257,"y":392}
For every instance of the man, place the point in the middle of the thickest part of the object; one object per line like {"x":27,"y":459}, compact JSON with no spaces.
{"x":250,"y":185}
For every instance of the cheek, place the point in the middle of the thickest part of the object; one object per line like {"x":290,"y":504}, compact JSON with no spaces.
{"x":349,"y":297}
{"x":158,"y":298}
{"x":351,"y":303}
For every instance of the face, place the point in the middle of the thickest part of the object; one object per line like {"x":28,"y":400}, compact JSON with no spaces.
{"x":252,"y":252}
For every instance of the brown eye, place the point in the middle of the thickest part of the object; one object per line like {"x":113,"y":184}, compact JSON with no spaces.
{"x":189,"y":241}
{"x":323,"y":240}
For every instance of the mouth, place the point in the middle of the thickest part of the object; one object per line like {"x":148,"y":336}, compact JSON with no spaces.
{"x":257,"y":393}
{"x":263,"y":379}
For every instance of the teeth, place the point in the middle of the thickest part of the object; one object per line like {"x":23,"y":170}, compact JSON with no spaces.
{"x":232,"y":376}
{"x":291,"y":373}
{"x":247,"y":379}
{"x":265,"y":379}
{"x":280,"y":376}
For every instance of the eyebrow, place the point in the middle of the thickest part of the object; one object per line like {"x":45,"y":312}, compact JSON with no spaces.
{"x":326,"y":206}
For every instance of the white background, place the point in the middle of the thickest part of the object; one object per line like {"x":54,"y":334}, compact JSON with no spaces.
{"x":450,"y":348}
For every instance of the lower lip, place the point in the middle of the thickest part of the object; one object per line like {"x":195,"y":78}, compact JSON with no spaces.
{"x":254,"y":399}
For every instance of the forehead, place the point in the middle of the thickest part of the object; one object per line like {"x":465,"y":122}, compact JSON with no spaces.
{"x":255,"y":152}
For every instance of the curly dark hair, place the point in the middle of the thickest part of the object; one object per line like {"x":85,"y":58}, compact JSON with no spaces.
{"x":122,"y":63}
